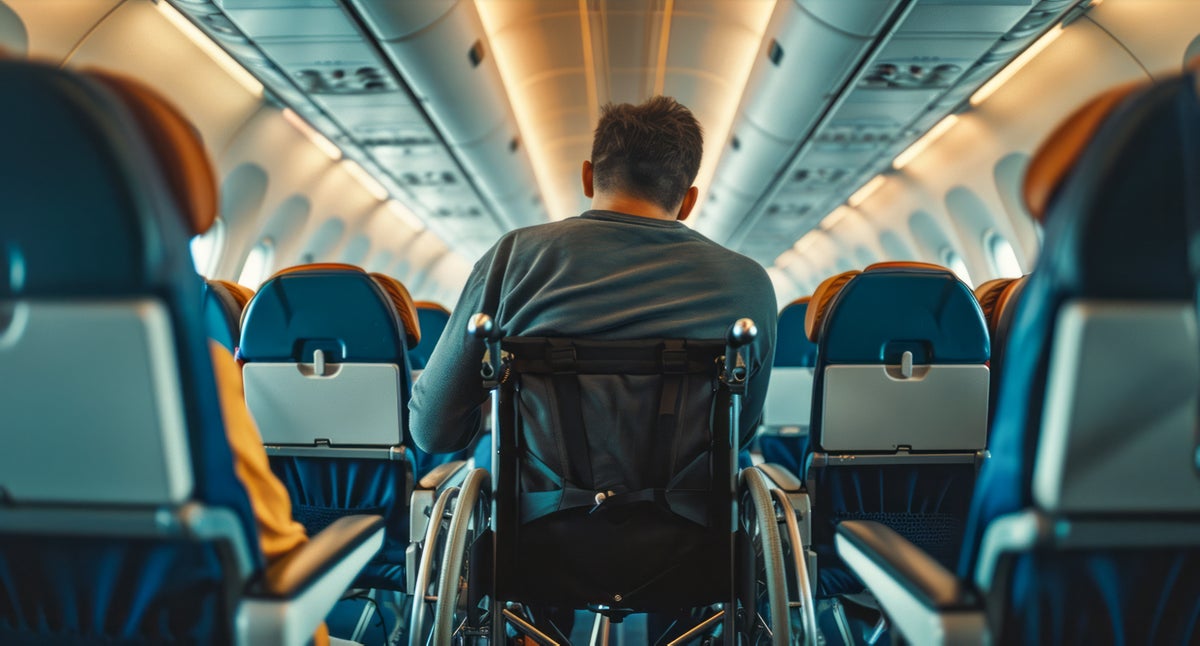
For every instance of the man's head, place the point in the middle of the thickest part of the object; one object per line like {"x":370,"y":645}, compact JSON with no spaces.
{"x":648,"y":152}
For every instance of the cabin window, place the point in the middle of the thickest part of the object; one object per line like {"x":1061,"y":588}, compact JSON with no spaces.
{"x":1003,"y":257}
{"x":207,"y":247}
{"x":956,"y":264}
{"x":258,"y":263}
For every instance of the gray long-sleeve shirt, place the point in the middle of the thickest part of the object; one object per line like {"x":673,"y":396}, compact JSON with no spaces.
{"x":602,"y":275}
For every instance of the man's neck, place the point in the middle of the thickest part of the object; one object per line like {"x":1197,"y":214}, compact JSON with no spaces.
{"x":631,"y":206}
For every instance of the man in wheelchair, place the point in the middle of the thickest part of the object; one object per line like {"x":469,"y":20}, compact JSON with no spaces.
{"x":617,"y":460}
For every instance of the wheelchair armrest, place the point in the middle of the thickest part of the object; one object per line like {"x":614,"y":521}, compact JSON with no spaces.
{"x":924,"y":600}
{"x":781,"y":477}
{"x":444,"y":474}
{"x":299,"y":590}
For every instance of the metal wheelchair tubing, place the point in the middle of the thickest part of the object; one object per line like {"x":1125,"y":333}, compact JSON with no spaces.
{"x":417,"y":620}
{"x":764,"y":511}
{"x":803,"y":585}
{"x":452,"y":556}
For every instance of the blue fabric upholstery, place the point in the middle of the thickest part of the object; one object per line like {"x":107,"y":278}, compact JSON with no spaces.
{"x":792,"y":349}
{"x":873,"y":320}
{"x":1116,"y":229}
{"x":118,"y":233}
{"x":432,"y":321}
{"x":342,"y":311}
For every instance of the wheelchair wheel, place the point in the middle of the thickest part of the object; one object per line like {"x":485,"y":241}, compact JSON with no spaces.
{"x":423,"y":593}
{"x":467,"y":521}
{"x":768,"y":612}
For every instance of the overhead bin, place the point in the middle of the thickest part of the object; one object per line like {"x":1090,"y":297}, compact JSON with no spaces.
{"x":442,"y":51}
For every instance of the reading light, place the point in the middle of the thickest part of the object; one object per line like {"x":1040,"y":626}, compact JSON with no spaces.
{"x":866,"y":191}
{"x":319,"y":140}
{"x":368,"y":181}
{"x":214,"y":51}
{"x":1002,"y":77}
{"x":919,"y":146}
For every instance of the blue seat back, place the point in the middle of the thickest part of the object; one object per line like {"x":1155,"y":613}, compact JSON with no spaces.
{"x":1099,"y":386}
{"x":788,"y":407}
{"x":223,"y":305}
{"x":898,"y":448}
{"x":115,"y":451}
{"x":432,"y":318}
{"x":327,"y":379}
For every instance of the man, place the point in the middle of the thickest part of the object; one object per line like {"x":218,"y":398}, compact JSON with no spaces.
{"x":627,"y":269}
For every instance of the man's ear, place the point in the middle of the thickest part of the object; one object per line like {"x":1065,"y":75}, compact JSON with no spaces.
{"x":588,"y":189}
{"x":689,"y":202}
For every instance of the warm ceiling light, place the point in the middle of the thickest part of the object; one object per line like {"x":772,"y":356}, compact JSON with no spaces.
{"x":319,"y":140}
{"x":214,"y":51}
{"x":919,"y":146}
{"x":367,"y":180}
{"x":1002,"y":77}
{"x":406,"y":215}
{"x":866,"y":191}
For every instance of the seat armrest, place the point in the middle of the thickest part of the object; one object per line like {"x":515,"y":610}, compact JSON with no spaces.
{"x":299,"y":590}
{"x":924,"y":600}
{"x":444,"y":474}
{"x":781,"y":477}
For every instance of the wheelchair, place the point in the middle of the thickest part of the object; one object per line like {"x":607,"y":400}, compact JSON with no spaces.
{"x":616,"y":491}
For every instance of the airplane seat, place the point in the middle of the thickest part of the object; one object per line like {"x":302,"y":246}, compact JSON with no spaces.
{"x":899,"y":411}
{"x":325,"y":348}
{"x":1085,"y":524}
{"x":432,"y":318}
{"x":121,"y":516}
{"x":224,"y":301}
{"x":997,"y":298}
{"x":788,"y":406}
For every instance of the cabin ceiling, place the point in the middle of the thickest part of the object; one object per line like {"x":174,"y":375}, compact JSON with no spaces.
{"x":477,"y":115}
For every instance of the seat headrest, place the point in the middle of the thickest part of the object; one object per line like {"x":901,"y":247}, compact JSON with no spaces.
{"x":904,"y":264}
{"x":878,"y":314}
{"x":234,"y":295}
{"x":431,"y":306}
{"x":224,"y":302}
{"x":792,"y":346}
{"x":1060,"y":151}
{"x":404,"y":306}
{"x":110,"y":177}
{"x":818,"y":304}
{"x":349,"y":314}
{"x":994,"y":298}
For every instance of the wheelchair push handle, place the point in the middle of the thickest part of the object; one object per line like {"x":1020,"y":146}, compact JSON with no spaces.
{"x":482,"y":327}
{"x":741,"y":334}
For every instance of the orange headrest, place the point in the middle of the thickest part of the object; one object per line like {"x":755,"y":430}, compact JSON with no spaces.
{"x":995,"y":295}
{"x":404,"y":306}
{"x":904,"y":264}
{"x":818,"y":306}
{"x":240,"y":293}
{"x":406,"y":310}
{"x":1062,"y":148}
{"x":176,"y":144}
{"x":430,"y":305}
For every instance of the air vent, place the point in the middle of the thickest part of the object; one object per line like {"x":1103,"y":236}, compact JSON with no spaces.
{"x":427,"y":179}
{"x":788,"y":210}
{"x":775,"y":52}
{"x":817,"y":179}
{"x":856,"y":136}
{"x":475,"y":54}
{"x":222,"y":25}
{"x":361,"y":80}
{"x":910,"y":75}
{"x":470,"y":212}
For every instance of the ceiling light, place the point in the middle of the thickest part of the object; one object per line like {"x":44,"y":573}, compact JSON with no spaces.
{"x":319,"y":140}
{"x":214,"y":51}
{"x":867,"y":189}
{"x":1002,"y":77}
{"x":406,"y":215}
{"x":919,"y":146}
{"x":834,"y":218}
{"x":367,"y":180}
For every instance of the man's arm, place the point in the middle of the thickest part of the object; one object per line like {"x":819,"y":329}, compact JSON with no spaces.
{"x":444,"y":412}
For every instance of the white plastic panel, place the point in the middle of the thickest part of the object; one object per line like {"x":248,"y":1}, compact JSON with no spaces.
{"x":1119,"y":424}
{"x":354,"y":403}
{"x":789,"y":398}
{"x":392,"y":20}
{"x":872,"y":408}
{"x":92,"y":407}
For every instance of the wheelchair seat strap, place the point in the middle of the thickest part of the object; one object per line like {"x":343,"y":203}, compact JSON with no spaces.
{"x":674,"y":391}
{"x":565,"y":366}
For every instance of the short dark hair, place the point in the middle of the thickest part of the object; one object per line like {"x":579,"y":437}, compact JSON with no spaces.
{"x":651,"y":150}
